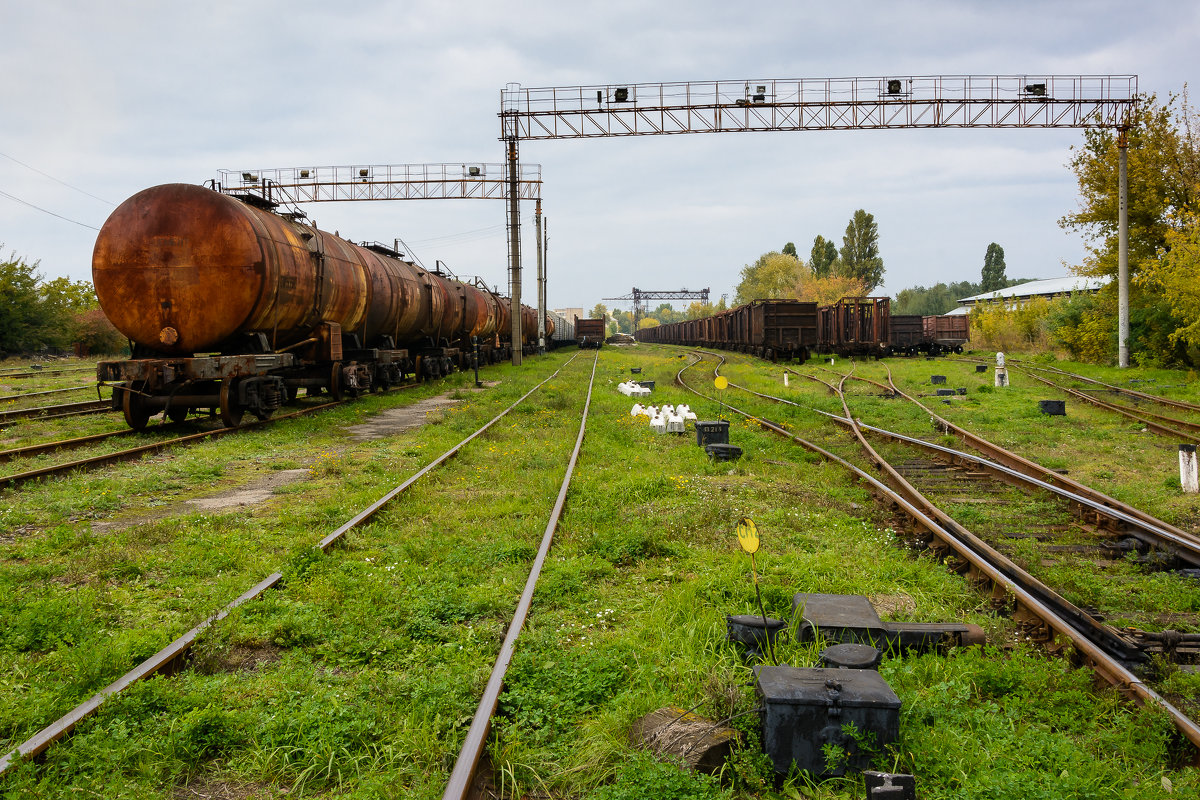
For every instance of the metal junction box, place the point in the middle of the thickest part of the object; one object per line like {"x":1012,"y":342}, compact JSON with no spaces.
{"x":806,"y":709}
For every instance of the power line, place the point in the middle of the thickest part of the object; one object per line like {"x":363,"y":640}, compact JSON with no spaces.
{"x":56,"y":180}
{"x":44,"y":211}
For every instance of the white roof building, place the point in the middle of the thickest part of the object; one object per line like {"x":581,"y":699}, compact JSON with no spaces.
{"x":1049,"y":288}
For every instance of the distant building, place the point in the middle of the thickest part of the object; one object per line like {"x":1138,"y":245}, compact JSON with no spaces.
{"x":571,"y":313}
{"x":1050,"y":288}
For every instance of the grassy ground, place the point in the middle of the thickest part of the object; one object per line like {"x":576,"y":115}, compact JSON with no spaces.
{"x":359,"y":676}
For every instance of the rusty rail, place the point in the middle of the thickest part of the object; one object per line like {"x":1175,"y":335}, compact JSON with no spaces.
{"x":168,"y":658}
{"x":61,"y":410}
{"x":1165,"y":401}
{"x":463,"y":774}
{"x":1142,"y":417}
{"x":1012,"y":582}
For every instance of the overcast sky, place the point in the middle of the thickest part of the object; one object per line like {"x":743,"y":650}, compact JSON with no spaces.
{"x":101,"y":100}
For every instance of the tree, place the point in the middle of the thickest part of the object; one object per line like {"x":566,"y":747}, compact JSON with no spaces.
{"x":823,"y":258}
{"x":21,"y":321}
{"x":698,"y":310}
{"x":993,"y":269}
{"x":773,"y":275}
{"x":1164,"y":203}
{"x":789,"y":249}
{"x":647,"y":322}
{"x":827,"y":290}
{"x":1164,"y":176}
{"x":599,"y":312}
{"x":937,"y":299}
{"x":860,"y":251}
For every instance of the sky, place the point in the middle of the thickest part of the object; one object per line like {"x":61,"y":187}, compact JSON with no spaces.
{"x":101,"y":100}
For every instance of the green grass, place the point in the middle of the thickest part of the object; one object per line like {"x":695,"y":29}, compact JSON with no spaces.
{"x":359,"y":676}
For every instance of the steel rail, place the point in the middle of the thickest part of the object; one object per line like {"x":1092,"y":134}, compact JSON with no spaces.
{"x":1034,"y":470}
{"x":1153,"y":531}
{"x":463,"y":773}
{"x":141,"y":450}
{"x":1013,"y":468}
{"x":135,"y":452}
{"x":1166,"y":401}
{"x":62,"y":444}
{"x":168,"y":658}
{"x":1122,"y":410}
{"x":1113,"y":644}
{"x":40,"y":372}
{"x":1185,"y":547}
{"x":61,"y":410}
{"x":1107,"y":667}
{"x":1182,"y":545}
{"x":47,"y":391}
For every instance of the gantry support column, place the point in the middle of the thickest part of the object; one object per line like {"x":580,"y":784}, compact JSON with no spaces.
{"x":541,"y":280}
{"x":514,"y":248}
{"x":1123,"y":248}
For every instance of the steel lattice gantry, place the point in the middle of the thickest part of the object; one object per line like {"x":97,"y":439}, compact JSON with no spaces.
{"x":638,"y":296}
{"x":474,"y":181}
{"x":811,"y":104}
{"x":967,"y":101}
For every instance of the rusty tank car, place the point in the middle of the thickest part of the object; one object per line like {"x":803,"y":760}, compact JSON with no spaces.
{"x":231,"y":307}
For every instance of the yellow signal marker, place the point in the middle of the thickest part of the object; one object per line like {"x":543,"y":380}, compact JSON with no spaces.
{"x":721,"y":382}
{"x":747,"y":533}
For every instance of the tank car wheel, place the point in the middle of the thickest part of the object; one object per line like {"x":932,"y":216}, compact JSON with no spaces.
{"x":335,"y":381}
{"x":958,"y":348}
{"x":134,"y":406}
{"x":231,"y":412}
{"x":177,"y":414}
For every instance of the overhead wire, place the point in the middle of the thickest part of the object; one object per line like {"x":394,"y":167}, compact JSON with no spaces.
{"x":45,"y":211}
{"x":56,"y":180}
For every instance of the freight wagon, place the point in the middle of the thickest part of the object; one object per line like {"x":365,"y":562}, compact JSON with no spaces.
{"x":590,"y":333}
{"x":234,"y":308}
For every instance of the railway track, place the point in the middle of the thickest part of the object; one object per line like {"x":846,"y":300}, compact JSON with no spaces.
{"x":57,"y":411}
{"x":171,"y":657}
{"x":1121,"y":529}
{"x":1162,"y":425}
{"x":128,"y":454}
{"x":1109,"y":654}
{"x":22,"y":374}
{"x":23,"y":395}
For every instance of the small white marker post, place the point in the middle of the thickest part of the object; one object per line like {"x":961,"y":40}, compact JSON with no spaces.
{"x":785,"y":383}
{"x":1188,"y":477}
{"x":1001,"y":372}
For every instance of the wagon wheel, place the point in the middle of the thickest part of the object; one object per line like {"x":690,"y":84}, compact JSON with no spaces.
{"x":177,"y":413}
{"x":231,"y":412}
{"x":137,"y":414}
{"x":335,"y":380}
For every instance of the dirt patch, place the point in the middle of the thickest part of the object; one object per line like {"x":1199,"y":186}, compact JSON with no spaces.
{"x":397,"y":420}
{"x":258,"y":491}
{"x":215,"y":787}
{"x":240,"y":658}
{"x":886,"y":605}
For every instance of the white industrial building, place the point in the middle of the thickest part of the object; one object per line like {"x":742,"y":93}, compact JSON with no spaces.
{"x":1050,"y":288}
